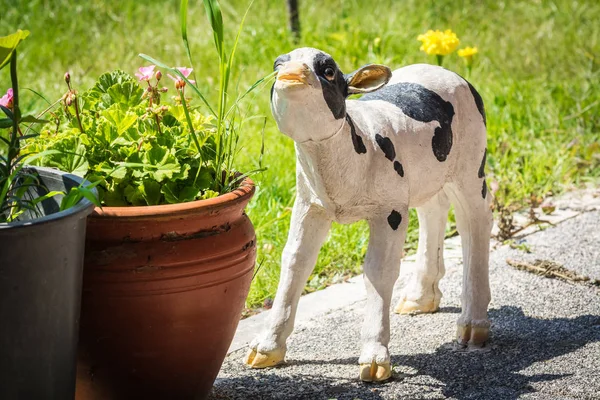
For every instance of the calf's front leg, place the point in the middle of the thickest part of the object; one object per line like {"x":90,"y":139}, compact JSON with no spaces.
{"x":381,"y":269}
{"x":308,"y":230}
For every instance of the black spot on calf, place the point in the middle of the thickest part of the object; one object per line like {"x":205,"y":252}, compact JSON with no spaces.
{"x":478,"y":101}
{"x":357,"y":141}
{"x":280,"y":60}
{"x":484,"y":189}
{"x":398,"y":168}
{"x":481,"y":172}
{"x":423,"y":105}
{"x":334,"y":91}
{"x":387,"y":146}
{"x":394,"y":219}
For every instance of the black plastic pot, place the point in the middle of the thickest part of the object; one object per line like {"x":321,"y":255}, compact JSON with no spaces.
{"x":41,"y":264}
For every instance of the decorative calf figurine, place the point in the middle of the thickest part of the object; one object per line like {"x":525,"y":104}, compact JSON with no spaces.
{"x":419,"y":141}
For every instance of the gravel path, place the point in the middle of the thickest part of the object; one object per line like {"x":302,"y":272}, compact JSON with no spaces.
{"x":545,"y":338}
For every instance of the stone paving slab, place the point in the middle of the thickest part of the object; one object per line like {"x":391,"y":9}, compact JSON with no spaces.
{"x":545,"y":339}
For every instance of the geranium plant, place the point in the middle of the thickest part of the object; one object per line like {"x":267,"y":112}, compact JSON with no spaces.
{"x":143,"y":146}
{"x":140,"y":150}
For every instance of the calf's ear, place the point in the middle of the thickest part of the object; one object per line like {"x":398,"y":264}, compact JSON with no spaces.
{"x":368,"y":78}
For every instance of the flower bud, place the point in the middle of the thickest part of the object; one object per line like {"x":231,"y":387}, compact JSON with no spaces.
{"x":164,"y":89}
{"x":158,"y":76}
{"x":67,"y":78}
{"x":69,"y":98}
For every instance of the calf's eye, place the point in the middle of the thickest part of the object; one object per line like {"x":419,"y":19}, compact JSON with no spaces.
{"x":329,"y":73}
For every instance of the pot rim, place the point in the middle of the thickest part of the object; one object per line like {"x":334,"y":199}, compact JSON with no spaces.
{"x":84,"y":206}
{"x":240,"y":195}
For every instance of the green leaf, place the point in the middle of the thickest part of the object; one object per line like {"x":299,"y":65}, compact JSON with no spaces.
{"x":31,"y":119}
{"x":170,"y":121}
{"x":134,"y":195}
{"x":209,"y":194}
{"x":100,"y":97}
{"x":106,"y":131}
{"x":7,"y":111}
{"x":162,"y":163}
{"x":81,"y":167}
{"x":237,"y":37}
{"x":114,"y":197}
{"x":183,"y":16}
{"x":151,"y":192}
{"x":204,"y":179}
{"x":169,"y":190}
{"x":5,"y":123}
{"x":126,"y":95}
{"x":109,"y":79}
{"x":188,"y":193}
{"x":122,"y":120}
{"x":118,"y":173}
{"x":215,"y":19}
{"x":76,"y":194}
{"x":8,"y":44}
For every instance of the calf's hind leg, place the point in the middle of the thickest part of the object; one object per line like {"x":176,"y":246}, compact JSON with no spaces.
{"x":474,"y":222}
{"x":421,"y":293}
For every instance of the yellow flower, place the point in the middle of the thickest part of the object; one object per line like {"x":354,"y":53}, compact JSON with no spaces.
{"x":439,"y":43}
{"x":468,"y":52}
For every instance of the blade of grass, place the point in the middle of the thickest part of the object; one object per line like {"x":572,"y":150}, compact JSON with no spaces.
{"x":38,"y":94}
{"x":215,"y":18}
{"x":183,"y":12}
{"x":237,"y":37}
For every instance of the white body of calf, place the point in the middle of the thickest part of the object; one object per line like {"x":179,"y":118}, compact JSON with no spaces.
{"x":418,"y":140}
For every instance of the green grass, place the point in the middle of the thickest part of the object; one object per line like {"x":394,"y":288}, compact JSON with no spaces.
{"x":537,"y":71}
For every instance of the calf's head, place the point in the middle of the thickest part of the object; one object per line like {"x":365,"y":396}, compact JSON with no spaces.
{"x":308,"y":99}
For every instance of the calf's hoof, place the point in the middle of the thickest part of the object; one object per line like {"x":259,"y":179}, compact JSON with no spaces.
{"x":375,"y":372}
{"x":257,"y":359}
{"x":473,"y":334}
{"x":412,"y":307}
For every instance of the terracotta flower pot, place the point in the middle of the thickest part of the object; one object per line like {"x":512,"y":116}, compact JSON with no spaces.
{"x":163,"y":290}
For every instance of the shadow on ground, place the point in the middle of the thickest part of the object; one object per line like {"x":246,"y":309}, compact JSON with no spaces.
{"x":518,"y":342}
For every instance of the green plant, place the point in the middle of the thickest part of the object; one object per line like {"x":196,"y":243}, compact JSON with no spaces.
{"x":138,"y":150}
{"x":226,"y":113}
{"x":142,"y":151}
{"x":17,"y":182}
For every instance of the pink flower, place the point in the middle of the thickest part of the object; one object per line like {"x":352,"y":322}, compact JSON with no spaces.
{"x":146,"y":73}
{"x":7,"y":99}
{"x":185,"y":71}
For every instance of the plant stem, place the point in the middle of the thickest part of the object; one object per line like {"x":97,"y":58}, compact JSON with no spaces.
{"x":189,"y":120}
{"x":14,"y":148}
{"x":439,"y":59}
{"x":150,"y":97}
{"x":77,"y":114}
{"x":157,"y":123}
